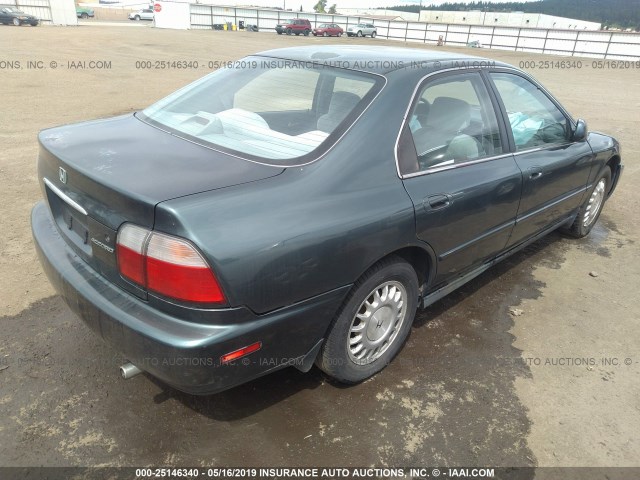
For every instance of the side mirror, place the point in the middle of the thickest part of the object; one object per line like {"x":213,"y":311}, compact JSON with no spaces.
{"x":580,"y":132}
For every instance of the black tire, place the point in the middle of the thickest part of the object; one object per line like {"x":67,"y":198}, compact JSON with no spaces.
{"x":586,"y":218}
{"x":373,"y":34}
{"x":279,"y":33}
{"x":288,"y":31}
{"x":359,"y":33}
{"x":16,"y":22}
{"x":137,"y":18}
{"x":336,"y":358}
{"x":306,"y":33}
{"x":84,"y":16}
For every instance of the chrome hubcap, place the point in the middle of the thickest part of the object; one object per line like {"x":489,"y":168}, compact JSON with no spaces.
{"x":377,"y":323}
{"x":595,"y":202}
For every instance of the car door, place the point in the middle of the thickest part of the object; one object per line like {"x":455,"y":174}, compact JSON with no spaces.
{"x":555,"y":169}
{"x":454,"y":161}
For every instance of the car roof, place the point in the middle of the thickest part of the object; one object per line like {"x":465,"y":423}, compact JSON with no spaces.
{"x":371,"y":58}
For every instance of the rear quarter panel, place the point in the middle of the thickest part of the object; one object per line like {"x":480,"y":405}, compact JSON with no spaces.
{"x":309,"y":230}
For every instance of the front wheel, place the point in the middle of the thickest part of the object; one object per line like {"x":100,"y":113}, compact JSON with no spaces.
{"x":84,"y":16}
{"x":137,"y":18}
{"x":360,"y":34}
{"x":288,"y":31}
{"x":373,"y":322}
{"x":591,"y":208}
{"x":373,"y":34}
{"x":16,"y":22}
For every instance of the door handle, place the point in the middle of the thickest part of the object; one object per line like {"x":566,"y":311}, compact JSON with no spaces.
{"x":436,"y":202}
{"x":535,"y":173}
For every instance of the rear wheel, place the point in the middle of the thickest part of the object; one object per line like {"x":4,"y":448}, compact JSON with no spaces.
{"x":373,"y":322}
{"x":373,"y":34}
{"x":137,"y":18}
{"x":359,"y":33}
{"x":591,"y":208}
{"x":306,"y":33}
{"x":288,"y":31}
{"x":84,"y":16}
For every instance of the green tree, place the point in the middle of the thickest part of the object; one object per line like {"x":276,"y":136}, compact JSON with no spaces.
{"x":320,"y":6}
{"x":332,"y":9}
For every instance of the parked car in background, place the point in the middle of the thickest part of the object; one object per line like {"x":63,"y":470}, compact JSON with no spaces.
{"x":328,"y":30}
{"x":143,"y":14}
{"x":84,"y":13}
{"x":266,"y":217}
{"x":296,"y":26}
{"x":10,"y":15}
{"x":362,"y":30}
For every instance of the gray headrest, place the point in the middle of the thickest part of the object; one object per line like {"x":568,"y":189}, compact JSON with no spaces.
{"x":449,"y":114}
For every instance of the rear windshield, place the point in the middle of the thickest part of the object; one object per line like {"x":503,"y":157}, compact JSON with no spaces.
{"x":274,"y":111}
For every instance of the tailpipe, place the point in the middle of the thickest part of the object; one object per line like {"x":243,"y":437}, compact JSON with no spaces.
{"x":129,"y":370}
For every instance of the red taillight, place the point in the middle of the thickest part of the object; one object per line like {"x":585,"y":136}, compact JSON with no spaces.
{"x":236,"y":354}
{"x":130,"y":247}
{"x":166,"y":265}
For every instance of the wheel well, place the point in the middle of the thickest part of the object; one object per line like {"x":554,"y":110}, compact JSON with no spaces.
{"x":419,"y":259}
{"x":613,"y":164}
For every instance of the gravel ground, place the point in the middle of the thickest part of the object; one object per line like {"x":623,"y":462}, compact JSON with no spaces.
{"x":475,"y":385}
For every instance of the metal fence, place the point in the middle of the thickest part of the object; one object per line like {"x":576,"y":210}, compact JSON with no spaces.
{"x":581,"y":43}
{"x":39,"y":8}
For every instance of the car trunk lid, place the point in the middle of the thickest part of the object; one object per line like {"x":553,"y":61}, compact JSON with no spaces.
{"x":100,"y":174}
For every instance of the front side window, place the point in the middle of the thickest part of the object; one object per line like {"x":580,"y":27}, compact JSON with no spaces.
{"x":535,"y":120}
{"x":272,"y":110}
{"x":453,"y":121}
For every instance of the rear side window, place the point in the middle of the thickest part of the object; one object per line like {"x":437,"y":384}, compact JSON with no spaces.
{"x":453,"y":121}
{"x":534,"y":119}
{"x":275,"y":111}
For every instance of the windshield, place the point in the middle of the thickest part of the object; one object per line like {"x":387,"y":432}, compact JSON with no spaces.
{"x":12,"y":10}
{"x":269,"y":110}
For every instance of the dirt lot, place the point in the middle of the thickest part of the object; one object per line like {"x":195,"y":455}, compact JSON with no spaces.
{"x":475,"y":385}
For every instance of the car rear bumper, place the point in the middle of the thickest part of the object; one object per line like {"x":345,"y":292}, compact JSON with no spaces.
{"x":183,"y":354}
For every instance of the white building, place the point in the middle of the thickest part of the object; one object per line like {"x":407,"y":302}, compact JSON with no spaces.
{"x":506,"y":19}
{"x":375,"y":12}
